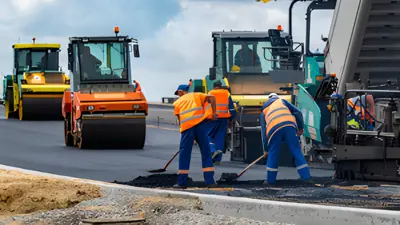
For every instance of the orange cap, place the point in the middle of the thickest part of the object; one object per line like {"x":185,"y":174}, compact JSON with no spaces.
{"x":333,"y":74}
{"x":280,"y":27}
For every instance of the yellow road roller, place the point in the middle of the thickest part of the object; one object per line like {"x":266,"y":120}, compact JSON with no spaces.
{"x":37,"y":85}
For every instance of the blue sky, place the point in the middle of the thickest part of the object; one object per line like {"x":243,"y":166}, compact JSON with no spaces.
{"x":174,"y":35}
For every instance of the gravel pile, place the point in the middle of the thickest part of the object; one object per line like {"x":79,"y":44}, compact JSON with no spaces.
{"x":117,"y":203}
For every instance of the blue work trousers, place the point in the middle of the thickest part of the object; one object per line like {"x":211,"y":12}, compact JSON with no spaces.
{"x":200,"y":134}
{"x":287,"y":134}
{"x":217,"y":137}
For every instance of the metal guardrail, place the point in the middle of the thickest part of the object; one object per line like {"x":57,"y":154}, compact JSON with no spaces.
{"x":168,"y":99}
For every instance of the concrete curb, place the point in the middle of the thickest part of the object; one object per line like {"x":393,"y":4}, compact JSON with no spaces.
{"x":262,"y":210}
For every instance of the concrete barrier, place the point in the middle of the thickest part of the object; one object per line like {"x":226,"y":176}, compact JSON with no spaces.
{"x":262,"y":210}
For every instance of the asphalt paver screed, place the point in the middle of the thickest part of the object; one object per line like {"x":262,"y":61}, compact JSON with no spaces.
{"x":324,"y":191}
{"x":22,"y":193}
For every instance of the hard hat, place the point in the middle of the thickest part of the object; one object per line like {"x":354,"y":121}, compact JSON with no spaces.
{"x":182,"y":87}
{"x":272,"y":95}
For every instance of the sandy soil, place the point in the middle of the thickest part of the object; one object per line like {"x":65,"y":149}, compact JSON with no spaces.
{"x":22,"y":193}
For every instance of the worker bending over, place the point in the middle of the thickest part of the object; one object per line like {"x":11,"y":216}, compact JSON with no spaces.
{"x":280,"y":121}
{"x":138,"y":87}
{"x":192,"y":116}
{"x":361,"y":117}
{"x":225,"y":111}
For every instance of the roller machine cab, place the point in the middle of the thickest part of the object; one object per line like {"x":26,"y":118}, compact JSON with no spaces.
{"x":37,"y":84}
{"x":103,"y":108}
{"x":247,"y":63}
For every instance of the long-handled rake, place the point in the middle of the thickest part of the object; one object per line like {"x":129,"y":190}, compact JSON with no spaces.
{"x":167,"y":164}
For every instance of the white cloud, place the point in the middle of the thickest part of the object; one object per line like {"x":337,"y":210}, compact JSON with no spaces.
{"x":183,"y":48}
{"x":29,"y":5}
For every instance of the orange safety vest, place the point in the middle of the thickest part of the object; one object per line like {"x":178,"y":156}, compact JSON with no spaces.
{"x":277,"y":116}
{"x":357,"y":108}
{"x":138,"y":88}
{"x":190,"y":109}
{"x":222,"y":103}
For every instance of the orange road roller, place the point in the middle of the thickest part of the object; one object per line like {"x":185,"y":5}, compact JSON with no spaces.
{"x":102,"y":107}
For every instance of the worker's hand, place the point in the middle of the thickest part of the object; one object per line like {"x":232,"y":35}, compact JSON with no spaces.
{"x":215,"y":116}
{"x":265,"y":154}
{"x":300,"y":132}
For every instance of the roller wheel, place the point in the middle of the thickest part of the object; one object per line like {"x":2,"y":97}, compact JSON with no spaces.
{"x":69,"y":139}
{"x":141,"y":140}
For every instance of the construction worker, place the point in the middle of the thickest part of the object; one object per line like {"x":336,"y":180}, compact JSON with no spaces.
{"x":190,"y":82}
{"x":90,"y":64}
{"x":247,"y":60}
{"x":138,"y":88}
{"x":281,"y":121}
{"x":192,"y":116}
{"x":358,"y":115}
{"x":226,"y":111}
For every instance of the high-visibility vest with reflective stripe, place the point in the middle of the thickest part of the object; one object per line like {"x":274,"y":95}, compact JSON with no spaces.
{"x":190,"y":109}
{"x":222,"y":103}
{"x":358,"y":110}
{"x":277,"y":116}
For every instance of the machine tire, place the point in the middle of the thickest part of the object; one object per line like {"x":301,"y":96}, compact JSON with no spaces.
{"x":7,"y":104}
{"x":7,"y":109}
{"x":80,"y":143}
{"x":20,"y":110}
{"x":68,"y":138}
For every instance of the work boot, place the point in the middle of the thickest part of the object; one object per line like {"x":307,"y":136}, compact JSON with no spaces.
{"x":266,"y":183}
{"x":177,"y":186}
{"x":214,"y":185}
{"x":216,"y":153}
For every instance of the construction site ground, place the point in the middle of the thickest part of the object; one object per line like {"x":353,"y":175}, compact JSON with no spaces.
{"x":39,"y":146}
{"x":34,"y":199}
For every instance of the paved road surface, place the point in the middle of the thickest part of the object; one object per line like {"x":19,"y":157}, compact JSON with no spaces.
{"x":39,"y":145}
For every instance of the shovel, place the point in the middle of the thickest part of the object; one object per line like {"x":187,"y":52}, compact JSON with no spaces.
{"x":229,"y":177}
{"x":162,"y":170}
{"x":166,"y":165}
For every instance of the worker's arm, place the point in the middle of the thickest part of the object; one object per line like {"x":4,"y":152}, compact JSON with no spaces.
{"x":232,"y":109}
{"x":211,"y":99}
{"x":263,"y":125}
{"x":297,"y":115}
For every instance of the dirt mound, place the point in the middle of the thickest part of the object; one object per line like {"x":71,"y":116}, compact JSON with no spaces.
{"x":22,"y":193}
